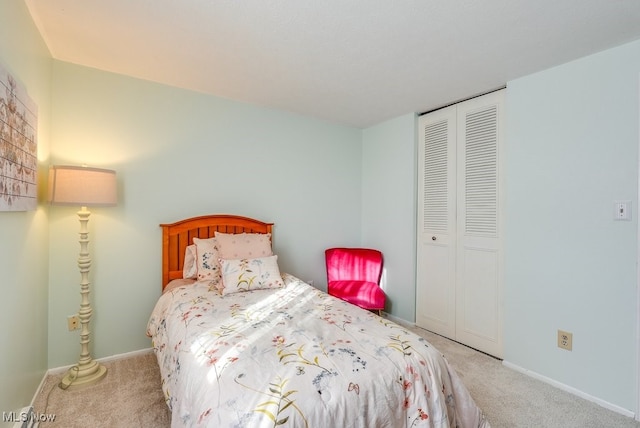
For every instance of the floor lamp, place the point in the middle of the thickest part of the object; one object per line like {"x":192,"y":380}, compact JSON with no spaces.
{"x":83,"y":186}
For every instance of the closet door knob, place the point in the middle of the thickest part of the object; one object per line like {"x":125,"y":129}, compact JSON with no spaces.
{"x":433,"y":238}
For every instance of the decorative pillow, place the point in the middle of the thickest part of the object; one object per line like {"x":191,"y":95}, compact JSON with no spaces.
{"x":244,"y":245}
{"x":190,"y":267}
{"x":250,"y":274}
{"x":207,"y":261}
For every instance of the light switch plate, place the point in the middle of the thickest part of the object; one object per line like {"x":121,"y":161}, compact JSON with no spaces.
{"x":622,"y":210}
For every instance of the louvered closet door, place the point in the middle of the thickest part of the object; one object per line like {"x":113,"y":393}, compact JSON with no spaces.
{"x":459,"y":250}
{"x":479,"y":204}
{"x":436,"y":251}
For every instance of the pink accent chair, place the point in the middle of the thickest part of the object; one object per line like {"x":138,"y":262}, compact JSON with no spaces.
{"x":353,"y":275}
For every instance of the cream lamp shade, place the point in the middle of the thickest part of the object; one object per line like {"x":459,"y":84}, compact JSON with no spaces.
{"x":78,"y":185}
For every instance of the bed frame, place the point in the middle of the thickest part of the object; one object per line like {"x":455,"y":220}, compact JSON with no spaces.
{"x":177,"y":236}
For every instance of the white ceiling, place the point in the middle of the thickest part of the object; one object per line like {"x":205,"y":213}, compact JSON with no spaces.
{"x":357,"y":62}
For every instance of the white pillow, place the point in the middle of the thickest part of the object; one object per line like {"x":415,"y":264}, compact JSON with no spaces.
{"x":244,"y":245}
{"x":190,"y":267}
{"x":207,"y":261}
{"x":250,"y":274}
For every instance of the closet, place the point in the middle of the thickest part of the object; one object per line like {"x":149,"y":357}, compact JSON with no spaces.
{"x":460,"y":206}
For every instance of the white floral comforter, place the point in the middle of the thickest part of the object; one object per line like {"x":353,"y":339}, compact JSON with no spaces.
{"x":297,"y":357}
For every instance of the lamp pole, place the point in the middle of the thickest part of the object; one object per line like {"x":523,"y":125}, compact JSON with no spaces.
{"x":87,"y":371}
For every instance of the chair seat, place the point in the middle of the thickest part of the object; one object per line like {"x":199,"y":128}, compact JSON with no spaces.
{"x":366,"y":294}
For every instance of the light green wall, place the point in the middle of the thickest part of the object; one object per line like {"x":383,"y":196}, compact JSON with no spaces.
{"x":572,"y":150}
{"x":388,"y":207}
{"x":180,"y":154}
{"x":23,"y":235}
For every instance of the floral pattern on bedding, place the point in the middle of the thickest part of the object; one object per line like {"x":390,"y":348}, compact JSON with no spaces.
{"x":297,"y":357}
{"x":240,"y":275}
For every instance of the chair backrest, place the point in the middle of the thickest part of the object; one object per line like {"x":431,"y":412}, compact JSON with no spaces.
{"x":355,"y":264}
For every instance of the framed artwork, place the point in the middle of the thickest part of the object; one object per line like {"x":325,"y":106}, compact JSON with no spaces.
{"x":18,"y":146}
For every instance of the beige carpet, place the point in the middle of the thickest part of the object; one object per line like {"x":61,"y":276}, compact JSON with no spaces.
{"x":130,"y":396}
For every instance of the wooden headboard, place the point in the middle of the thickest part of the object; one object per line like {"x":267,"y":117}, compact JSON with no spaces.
{"x":177,"y":236}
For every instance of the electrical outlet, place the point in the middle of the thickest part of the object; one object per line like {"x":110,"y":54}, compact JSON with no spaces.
{"x":73,"y":323}
{"x":565,"y":340}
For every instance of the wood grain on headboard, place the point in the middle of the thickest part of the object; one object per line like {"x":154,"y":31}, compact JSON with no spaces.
{"x":177,"y":236}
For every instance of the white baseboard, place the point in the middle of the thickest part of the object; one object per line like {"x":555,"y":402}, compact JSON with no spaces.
{"x":58,"y":370}
{"x":570,"y":390}
{"x":126,"y":355}
{"x":39,"y":388}
{"x":397,"y":320}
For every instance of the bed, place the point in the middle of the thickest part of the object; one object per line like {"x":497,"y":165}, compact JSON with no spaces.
{"x":261,"y":348}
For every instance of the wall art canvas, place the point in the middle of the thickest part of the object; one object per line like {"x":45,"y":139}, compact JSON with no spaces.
{"x":18,"y":146}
